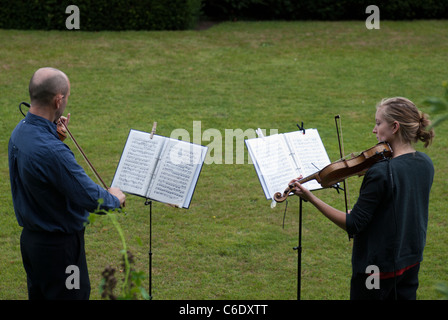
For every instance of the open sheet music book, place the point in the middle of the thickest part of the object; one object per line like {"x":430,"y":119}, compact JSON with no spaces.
{"x":161,"y":168}
{"x":280,"y":158}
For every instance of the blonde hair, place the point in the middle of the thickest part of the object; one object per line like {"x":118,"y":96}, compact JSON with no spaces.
{"x":413,"y":123}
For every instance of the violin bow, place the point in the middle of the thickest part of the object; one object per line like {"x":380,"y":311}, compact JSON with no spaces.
{"x":84,"y":155}
{"x":76,"y":144}
{"x":87,"y":160}
{"x":341,"y":152}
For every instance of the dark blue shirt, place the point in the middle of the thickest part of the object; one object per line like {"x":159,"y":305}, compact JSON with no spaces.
{"x":50,"y":190}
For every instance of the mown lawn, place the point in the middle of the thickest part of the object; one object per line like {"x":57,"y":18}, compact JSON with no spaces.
{"x":230,"y":244}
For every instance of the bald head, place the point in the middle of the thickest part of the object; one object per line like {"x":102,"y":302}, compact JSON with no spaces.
{"x":46,"y":84}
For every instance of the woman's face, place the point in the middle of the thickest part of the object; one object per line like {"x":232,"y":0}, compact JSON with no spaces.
{"x":384,"y":131}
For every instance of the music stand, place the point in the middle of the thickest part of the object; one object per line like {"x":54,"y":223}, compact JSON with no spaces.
{"x":299,"y":247}
{"x":299,"y":252}
{"x":149,"y":202}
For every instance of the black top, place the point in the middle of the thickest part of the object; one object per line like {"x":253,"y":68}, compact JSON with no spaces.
{"x":389,"y":224}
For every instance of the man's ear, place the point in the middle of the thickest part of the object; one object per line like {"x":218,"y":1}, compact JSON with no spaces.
{"x":57,"y":100}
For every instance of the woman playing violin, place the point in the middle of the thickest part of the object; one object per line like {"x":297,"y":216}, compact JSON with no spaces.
{"x":390,"y":218}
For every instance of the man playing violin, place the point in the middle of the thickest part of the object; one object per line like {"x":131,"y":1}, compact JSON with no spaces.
{"x":390,"y":218}
{"x":52,"y":194}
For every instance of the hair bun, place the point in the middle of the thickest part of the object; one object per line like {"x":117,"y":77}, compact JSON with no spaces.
{"x":423,"y":134}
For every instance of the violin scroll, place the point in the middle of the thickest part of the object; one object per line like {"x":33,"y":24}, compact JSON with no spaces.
{"x":279,"y":197}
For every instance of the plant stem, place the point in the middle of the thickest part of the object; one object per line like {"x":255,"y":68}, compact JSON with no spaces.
{"x":113,"y":218}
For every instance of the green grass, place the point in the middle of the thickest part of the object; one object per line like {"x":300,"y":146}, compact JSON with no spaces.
{"x":230,"y":244}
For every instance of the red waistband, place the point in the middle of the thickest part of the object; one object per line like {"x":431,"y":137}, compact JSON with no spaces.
{"x":388,"y":275}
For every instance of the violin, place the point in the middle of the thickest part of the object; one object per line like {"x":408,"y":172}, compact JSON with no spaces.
{"x":340,"y":170}
{"x":61,"y":133}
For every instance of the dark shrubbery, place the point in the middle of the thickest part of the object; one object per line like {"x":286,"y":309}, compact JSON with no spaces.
{"x":323,"y":9}
{"x":101,"y":14}
{"x":184,"y":14}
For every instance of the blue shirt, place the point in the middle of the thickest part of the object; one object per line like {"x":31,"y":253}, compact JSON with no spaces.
{"x":50,"y":190}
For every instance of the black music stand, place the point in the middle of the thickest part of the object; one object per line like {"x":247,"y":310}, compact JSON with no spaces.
{"x":299,"y":247}
{"x":149,"y":202}
{"x":299,"y":252}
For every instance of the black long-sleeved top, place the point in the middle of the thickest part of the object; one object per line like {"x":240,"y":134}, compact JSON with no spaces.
{"x":389,"y":223}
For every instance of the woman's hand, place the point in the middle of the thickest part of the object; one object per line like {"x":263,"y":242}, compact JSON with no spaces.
{"x":300,"y":190}
{"x":336,"y":216}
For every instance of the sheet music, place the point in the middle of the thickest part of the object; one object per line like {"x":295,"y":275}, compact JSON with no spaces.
{"x":179,"y":166}
{"x":161,"y":168}
{"x":274,"y":163}
{"x":137,"y":162}
{"x":309,"y":153}
{"x":278,"y":159}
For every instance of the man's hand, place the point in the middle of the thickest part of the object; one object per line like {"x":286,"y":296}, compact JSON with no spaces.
{"x":120,"y":195}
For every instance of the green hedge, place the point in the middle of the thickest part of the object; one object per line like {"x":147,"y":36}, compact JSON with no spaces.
{"x":101,"y":14}
{"x":183,"y":14}
{"x":324,"y":9}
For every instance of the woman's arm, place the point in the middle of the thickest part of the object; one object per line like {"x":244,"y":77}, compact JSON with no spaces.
{"x":336,"y":216}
